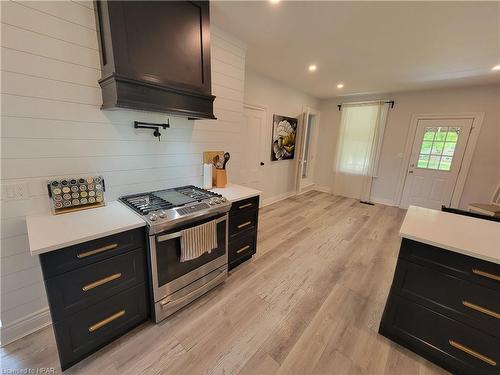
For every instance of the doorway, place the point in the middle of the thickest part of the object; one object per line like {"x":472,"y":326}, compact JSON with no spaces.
{"x":307,"y":150}
{"x":438,"y":151}
{"x":255,"y":119}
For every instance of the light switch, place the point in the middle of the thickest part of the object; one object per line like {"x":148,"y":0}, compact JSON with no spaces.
{"x":11,"y":192}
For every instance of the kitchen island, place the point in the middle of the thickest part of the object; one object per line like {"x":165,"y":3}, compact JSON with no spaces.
{"x":444,"y":302}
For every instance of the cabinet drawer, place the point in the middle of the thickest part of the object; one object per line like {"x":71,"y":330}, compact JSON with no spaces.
{"x":243,"y":223}
{"x":453,"y":345}
{"x":470,"y":303}
{"x":72,"y":257}
{"x":244,"y":205}
{"x":241,"y":247}
{"x":86,"y":331}
{"x":75,"y":290}
{"x":465,"y":267}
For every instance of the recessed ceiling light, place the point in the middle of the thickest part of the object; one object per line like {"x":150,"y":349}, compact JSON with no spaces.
{"x":496,"y":67}
{"x":340,"y":85}
{"x":312,"y":68}
{"x":274,"y":1}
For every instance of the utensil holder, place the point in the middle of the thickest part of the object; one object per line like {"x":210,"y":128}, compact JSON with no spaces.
{"x":220,"y":178}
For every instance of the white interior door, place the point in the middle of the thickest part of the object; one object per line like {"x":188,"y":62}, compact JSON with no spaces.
{"x":255,"y":124}
{"x":436,"y":156}
{"x":306,"y":147}
{"x":300,"y":143}
{"x":309,"y":150}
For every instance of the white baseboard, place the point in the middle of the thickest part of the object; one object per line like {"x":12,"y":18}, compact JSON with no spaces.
{"x":323,"y":188}
{"x":277,"y":198}
{"x":385,"y":201}
{"x":307,"y":188}
{"x":26,"y":325}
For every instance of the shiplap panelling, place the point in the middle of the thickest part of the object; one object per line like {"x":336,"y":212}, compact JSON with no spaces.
{"x":52,"y":126}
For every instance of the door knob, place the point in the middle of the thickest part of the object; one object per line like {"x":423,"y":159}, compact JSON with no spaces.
{"x":261,"y":163}
{"x":410,"y":171}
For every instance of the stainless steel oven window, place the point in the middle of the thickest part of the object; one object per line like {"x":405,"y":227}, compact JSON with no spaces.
{"x":162,"y":291}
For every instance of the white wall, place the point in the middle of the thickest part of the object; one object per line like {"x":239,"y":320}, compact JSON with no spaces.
{"x":52,"y":126}
{"x":276,"y":98}
{"x":484,"y":174}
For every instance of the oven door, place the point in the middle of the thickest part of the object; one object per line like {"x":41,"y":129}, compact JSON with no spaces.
{"x":169,"y":273}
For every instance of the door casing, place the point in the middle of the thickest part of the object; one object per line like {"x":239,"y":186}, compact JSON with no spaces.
{"x":301,"y":147}
{"x":477,"y":122}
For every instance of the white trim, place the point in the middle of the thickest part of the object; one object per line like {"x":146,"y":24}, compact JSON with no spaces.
{"x":25,"y":326}
{"x":313,"y":147}
{"x":323,"y":188}
{"x":384,"y":201}
{"x":477,"y":122}
{"x":306,"y":188}
{"x":277,"y":198}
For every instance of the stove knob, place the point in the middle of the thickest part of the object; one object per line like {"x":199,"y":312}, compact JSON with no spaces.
{"x":153,"y":217}
{"x":162,"y":214}
{"x":223,"y":200}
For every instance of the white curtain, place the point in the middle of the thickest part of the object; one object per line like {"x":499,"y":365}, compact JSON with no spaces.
{"x":360,"y":139}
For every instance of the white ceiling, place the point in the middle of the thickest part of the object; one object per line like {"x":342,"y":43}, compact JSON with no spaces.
{"x":370,"y":47}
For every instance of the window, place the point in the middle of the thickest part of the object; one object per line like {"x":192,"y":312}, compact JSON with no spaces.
{"x":357,"y":133}
{"x":438,"y":147}
{"x":359,"y":143}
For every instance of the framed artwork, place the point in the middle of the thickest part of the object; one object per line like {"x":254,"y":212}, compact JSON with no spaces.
{"x":283,"y":140}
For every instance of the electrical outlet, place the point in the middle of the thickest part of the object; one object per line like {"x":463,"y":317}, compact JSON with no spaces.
{"x":12,"y":192}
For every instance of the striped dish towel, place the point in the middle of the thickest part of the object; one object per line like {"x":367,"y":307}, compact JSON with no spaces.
{"x":198,"y":240}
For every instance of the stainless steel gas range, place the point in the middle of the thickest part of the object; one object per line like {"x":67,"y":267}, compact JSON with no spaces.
{"x":167,"y":213}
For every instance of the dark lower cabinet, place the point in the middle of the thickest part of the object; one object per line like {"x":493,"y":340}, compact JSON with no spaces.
{"x":97,"y":291}
{"x":243,"y":223}
{"x":445,"y":307}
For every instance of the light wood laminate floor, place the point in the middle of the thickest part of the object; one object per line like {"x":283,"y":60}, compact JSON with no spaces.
{"x":309,"y":302}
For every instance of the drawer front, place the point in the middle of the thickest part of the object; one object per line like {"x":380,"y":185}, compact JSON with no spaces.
{"x":88,"y":330}
{"x":451,"y":344}
{"x":243,"y":223}
{"x":467,"y":302}
{"x":75,"y":290}
{"x":465,"y":267}
{"x":72,"y":257}
{"x":242,"y":247}
{"x":244,"y":205}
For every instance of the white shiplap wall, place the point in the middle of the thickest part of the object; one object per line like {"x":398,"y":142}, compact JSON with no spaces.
{"x":52,"y":126}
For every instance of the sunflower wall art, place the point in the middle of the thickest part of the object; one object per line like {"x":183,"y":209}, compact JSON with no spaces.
{"x":283,"y":142}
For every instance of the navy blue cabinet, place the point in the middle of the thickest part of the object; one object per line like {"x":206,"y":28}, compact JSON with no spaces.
{"x":445,"y":307}
{"x":97,"y":291}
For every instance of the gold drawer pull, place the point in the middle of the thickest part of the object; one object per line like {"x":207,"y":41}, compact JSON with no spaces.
{"x":244,"y":224}
{"x":243,"y":249}
{"x":104,"y":280}
{"x":473,"y":353}
{"x":484,"y":310}
{"x":245,"y":205}
{"x":486,"y":274}
{"x":97,"y":251}
{"x":103,"y":322}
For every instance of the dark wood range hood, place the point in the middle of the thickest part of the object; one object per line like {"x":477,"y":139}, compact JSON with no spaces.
{"x":155,"y":56}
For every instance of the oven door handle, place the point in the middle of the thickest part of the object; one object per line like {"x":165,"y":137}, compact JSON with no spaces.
{"x":170,"y":236}
{"x":167,"y":302}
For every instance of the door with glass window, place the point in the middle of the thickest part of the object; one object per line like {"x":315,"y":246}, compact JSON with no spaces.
{"x":435,"y":161}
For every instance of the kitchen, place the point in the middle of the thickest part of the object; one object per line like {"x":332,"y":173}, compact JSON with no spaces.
{"x":276,"y":303}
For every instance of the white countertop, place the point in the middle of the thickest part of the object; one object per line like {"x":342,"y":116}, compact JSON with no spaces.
{"x":466,"y":235}
{"x":234,"y":193}
{"x":49,"y":232}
